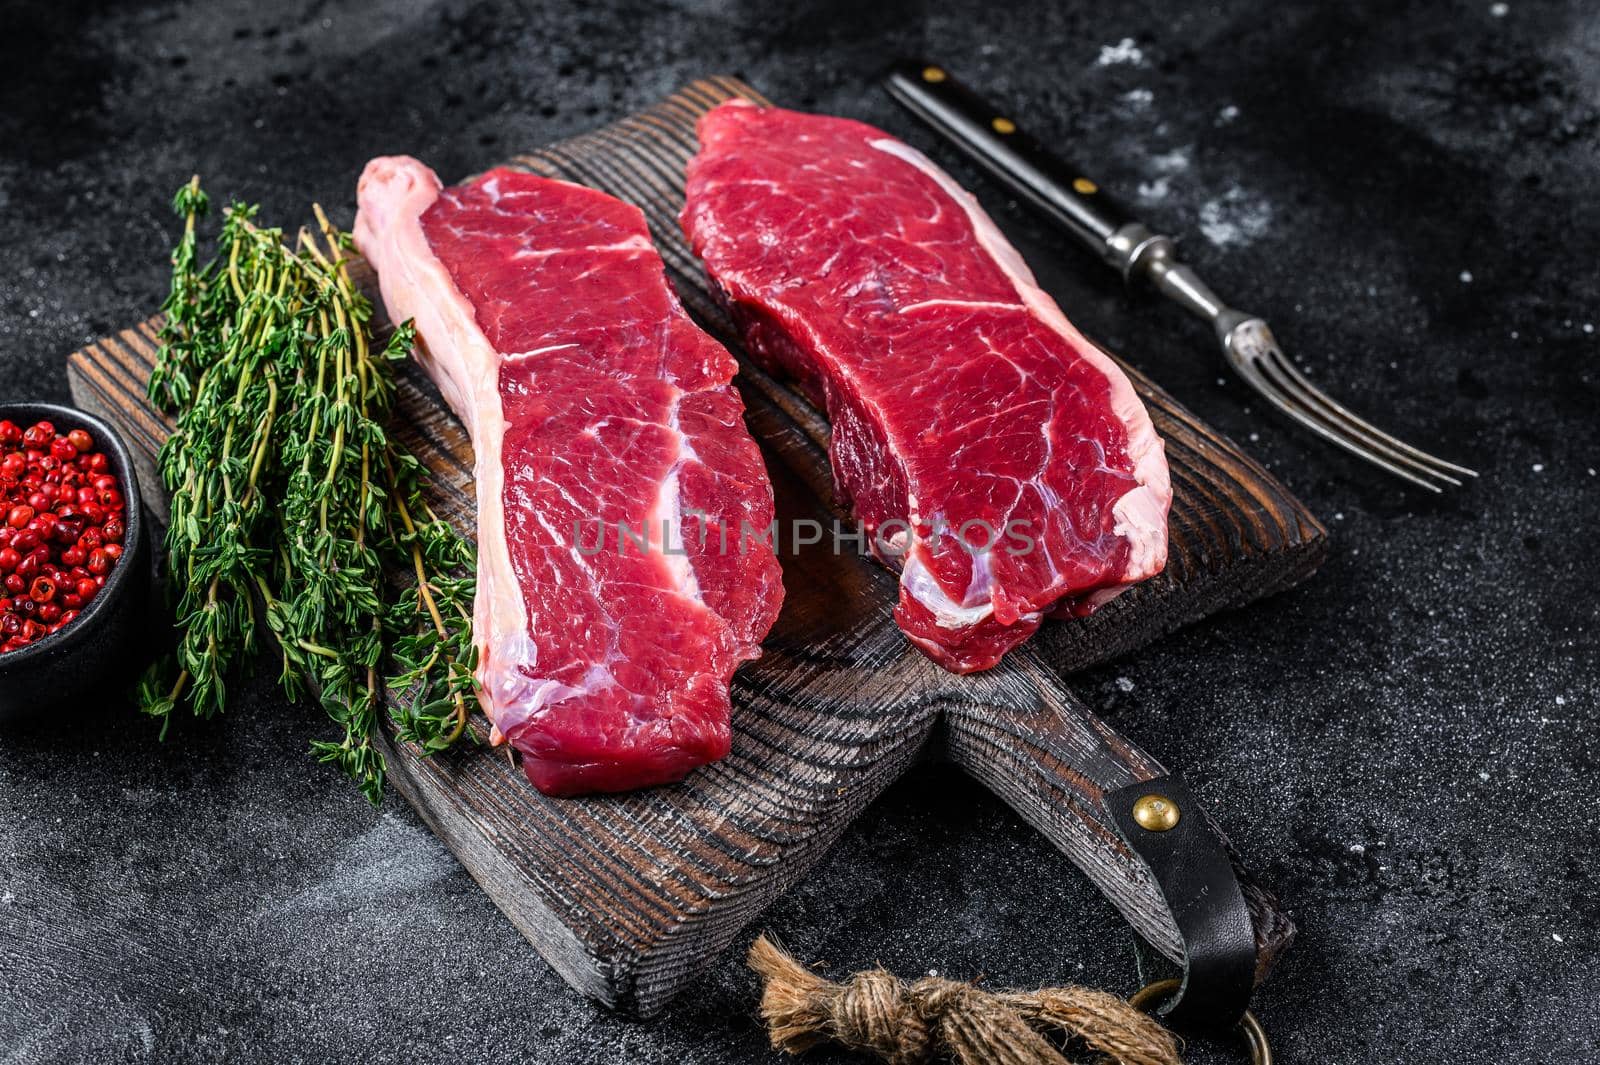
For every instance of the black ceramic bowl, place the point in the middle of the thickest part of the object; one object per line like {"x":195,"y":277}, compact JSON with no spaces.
{"x":91,"y":659}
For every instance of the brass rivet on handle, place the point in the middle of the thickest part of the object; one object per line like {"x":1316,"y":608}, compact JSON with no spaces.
{"x":933,"y":74}
{"x":1156,"y":813}
{"x":1085,"y":186}
{"x":1004,"y":125}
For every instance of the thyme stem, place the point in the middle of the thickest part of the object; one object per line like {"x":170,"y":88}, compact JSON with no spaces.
{"x":288,"y":493}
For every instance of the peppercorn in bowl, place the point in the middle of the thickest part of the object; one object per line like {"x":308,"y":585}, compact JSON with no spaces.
{"x":74,"y":561}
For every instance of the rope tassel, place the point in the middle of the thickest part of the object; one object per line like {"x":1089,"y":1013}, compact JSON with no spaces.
{"x":910,"y":1024}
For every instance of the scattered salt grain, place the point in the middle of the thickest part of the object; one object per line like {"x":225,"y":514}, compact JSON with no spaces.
{"x":1588,"y":327}
{"x":1124,"y":684}
{"x":1254,"y":437}
{"x":1538,"y":467}
{"x":1339,"y":516}
{"x":1483,"y":774}
{"x":1154,"y":190}
{"x":1124,"y":51}
{"x":1499,"y":10}
{"x":1138,"y":98}
{"x":1557,"y":937}
{"x":1561,"y":700}
{"x":1357,"y":848}
{"x":1227,"y":114}
{"x":1466,"y":277}
{"x":1172,"y":162}
{"x":1235,"y":217}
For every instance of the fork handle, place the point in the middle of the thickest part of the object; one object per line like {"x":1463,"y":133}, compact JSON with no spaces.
{"x":1003,"y":148}
{"x":1056,"y":188}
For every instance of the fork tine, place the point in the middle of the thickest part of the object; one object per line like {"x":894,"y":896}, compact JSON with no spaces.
{"x":1288,"y":369}
{"x":1351,"y":438}
{"x":1275,"y":395}
{"x":1313,"y":400}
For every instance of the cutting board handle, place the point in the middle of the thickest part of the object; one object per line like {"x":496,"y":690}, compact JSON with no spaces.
{"x":1039,"y":748}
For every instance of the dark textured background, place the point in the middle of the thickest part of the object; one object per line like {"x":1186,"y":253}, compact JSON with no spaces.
{"x":1405,"y":748}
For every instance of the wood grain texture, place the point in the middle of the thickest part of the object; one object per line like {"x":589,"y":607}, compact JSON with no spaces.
{"x":628,"y":896}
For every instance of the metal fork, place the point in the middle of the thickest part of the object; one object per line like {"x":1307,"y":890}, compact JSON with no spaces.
{"x":1253,"y":352}
{"x":1076,"y":203}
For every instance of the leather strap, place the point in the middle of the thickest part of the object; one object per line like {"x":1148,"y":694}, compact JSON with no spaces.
{"x":1190,"y":863}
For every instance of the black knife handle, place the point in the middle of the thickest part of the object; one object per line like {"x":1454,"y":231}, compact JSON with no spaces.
{"x":1000,"y":146}
{"x":1056,"y":188}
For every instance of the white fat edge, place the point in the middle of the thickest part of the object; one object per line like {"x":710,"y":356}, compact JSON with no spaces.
{"x":634,"y":243}
{"x":522,"y":698}
{"x":1098,"y":599}
{"x":524,"y":356}
{"x":973,"y":305}
{"x":900,"y":540}
{"x":392,"y":194}
{"x":668,"y":518}
{"x":920,"y":584}
{"x":667,"y":515}
{"x":1136,"y":513}
{"x":1147,"y":541}
{"x":980,"y":586}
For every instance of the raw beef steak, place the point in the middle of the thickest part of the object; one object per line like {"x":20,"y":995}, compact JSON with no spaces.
{"x":960,"y":396}
{"x":601,"y":416}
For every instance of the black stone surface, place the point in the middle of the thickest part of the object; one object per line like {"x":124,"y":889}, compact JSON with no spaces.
{"x":1405,"y":748}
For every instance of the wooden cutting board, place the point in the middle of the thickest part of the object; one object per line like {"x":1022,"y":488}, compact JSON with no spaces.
{"x":628,"y":896}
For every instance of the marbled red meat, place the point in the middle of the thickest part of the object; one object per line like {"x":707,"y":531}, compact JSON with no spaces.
{"x":597,"y":409}
{"x":959,"y":395}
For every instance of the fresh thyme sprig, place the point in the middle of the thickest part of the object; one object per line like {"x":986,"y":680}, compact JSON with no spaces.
{"x":430,"y":631}
{"x":290,"y":502}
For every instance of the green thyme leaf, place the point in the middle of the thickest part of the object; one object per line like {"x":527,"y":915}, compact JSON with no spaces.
{"x":291,"y":503}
